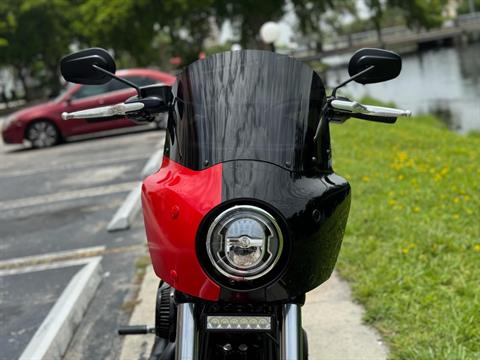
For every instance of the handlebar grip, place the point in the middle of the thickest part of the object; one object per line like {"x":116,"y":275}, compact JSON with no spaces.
{"x":381,"y":119}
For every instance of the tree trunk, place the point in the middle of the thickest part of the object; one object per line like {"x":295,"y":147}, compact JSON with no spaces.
{"x":53,"y":80}
{"x":21,"y":76}
{"x":378,"y":29}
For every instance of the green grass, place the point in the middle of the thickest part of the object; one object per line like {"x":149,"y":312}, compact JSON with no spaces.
{"x":412,"y":245}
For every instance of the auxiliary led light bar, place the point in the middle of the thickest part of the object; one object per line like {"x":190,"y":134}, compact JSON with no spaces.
{"x":220,"y":322}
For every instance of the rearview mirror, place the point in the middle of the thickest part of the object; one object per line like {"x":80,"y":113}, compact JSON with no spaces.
{"x":386,"y":65}
{"x":79,"y":67}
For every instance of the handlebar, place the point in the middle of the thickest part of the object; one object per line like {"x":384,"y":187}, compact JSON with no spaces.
{"x":155,"y":105}
{"x":368,"y":110}
{"x":121,"y":109}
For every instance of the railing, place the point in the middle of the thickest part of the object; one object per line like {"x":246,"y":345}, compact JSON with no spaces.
{"x":469,"y":17}
{"x":393,"y":36}
{"x":400,"y":31}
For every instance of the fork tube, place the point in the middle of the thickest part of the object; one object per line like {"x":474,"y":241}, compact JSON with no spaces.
{"x":291,"y":334}
{"x":186,"y":348}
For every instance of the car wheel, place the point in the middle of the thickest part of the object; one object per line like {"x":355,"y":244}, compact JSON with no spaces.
{"x":42,"y":134}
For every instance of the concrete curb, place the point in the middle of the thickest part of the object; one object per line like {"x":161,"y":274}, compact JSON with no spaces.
{"x":140,"y":347}
{"x":127,"y":211}
{"x":132,"y":204}
{"x":54,"y":334}
{"x":153,"y":163}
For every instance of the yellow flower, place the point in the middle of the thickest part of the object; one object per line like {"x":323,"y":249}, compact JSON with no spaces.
{"x":402,"y":156}
{"x":365,"y":178}
{"x":416,"y":209}
{"x":407,"y":248}
{"x":456,"y":200}
{"x":391,"y":202}
{"x":476,"y":247}
{"x":400,"y":177}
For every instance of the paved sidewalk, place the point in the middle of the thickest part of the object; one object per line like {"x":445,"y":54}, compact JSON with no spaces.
{"x":333,"y":323}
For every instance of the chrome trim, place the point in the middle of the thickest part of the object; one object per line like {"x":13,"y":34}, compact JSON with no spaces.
{"x":253,"y":273}
{"x":291,"y":342}
{"x":186,"y":340}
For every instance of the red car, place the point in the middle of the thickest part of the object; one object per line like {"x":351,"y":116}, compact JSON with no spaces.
{"x":43,"y":126}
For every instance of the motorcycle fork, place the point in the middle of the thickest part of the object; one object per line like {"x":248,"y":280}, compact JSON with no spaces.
{"x":187,"y":335}
{"x":291,"y":334}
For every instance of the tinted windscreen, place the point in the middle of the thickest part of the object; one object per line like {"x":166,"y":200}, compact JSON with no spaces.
{"x":251,"y":105}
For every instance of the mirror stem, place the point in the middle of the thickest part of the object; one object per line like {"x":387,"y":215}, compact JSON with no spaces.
{"x":334,"y":92}
{"x":113,"y":76}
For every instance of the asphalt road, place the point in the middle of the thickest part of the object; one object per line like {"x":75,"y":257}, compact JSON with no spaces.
{"x":62,"y":199}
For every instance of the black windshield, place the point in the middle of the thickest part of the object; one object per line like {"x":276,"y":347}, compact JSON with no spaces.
{"x":246,"y":105}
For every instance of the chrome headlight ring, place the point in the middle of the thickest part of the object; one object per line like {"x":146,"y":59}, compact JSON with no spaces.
{"x":244,"y":242}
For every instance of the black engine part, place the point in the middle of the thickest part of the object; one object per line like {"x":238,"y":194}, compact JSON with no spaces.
{"x":165,"y":313}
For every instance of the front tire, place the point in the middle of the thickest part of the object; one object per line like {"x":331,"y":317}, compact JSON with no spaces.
{"x":42,"y":134}
{"x":305,"y":345}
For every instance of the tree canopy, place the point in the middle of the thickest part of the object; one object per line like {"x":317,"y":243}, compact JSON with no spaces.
{"x":35,"y":34}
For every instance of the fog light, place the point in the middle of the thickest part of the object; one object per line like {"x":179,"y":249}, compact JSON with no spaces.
{"x":244,"y":242}
{"x":221,"y":322}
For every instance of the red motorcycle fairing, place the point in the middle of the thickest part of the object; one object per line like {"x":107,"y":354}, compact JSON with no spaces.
{"x":175,"y":200}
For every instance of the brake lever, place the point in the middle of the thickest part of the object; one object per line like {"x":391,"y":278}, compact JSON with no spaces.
{"x":104,"y":111}
{"x":354,"y":107}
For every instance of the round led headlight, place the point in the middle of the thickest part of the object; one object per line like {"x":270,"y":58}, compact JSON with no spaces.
{"x":244,"y":242}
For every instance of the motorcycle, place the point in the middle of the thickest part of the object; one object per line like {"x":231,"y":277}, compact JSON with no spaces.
{"x":246,"y":214}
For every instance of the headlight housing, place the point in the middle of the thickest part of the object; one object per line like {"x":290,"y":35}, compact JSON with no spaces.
{"x":244,"y":242}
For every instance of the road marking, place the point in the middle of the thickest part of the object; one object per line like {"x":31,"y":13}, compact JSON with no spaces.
{"x":6,"y":173}
{"x":67,"y":195}
{"x":51,"y":257}
{"x":54,"y":334}
{"x":43,"y":267}
{"x":132,"y":204}
{"x":11,"y":266}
